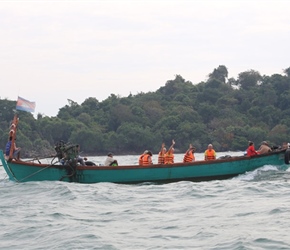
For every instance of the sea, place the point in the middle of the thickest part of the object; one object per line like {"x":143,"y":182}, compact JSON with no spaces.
{"x":250,"y":211}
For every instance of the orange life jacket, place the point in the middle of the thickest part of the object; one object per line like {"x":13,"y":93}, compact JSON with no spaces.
{"x":146,"y":160}
{"x":169,"y":158}
{"x":141,"y":159}
{"x":161,"y":158}
{"x":210,"y":154}
{"x":188,"y":157}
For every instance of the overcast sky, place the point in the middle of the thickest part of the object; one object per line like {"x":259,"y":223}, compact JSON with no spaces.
{"x":51,"y":51}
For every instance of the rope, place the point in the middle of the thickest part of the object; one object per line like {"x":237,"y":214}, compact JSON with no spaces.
{"x":40,"y":158}
{"x":4,"y":178}
{"x":33,"y":173}
{"x":70,"y":175}
{"x":52,"y":164}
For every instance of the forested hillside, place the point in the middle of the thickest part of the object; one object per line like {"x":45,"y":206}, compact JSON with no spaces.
{"x":225,"y":112}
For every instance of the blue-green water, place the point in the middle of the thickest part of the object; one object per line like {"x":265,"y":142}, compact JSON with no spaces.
{"x":251,"y":211}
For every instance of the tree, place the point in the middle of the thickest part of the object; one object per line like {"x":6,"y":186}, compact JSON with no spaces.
{"x":90,"y":104}
{"x":212,"y":111}
{"x":220,"y":74}
{"x":135,"y":137}
{"x":207,"y":112}
{"x":249,"y":79}
{"x":91,"y":141}
{"x":287,"y":72}
{"x":279,"y":134}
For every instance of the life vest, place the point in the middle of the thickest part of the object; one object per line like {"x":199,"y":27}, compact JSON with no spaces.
{"x":251,"y":151}
{"x":161,"y":158}
{"x":210,"y":154}
{"x":188,"y":157}
{"x":141,"y":159}
{"x":146,"y":160}
{"x":169,"y":158}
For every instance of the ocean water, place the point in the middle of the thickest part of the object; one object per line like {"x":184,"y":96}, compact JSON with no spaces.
{"x":250,"y":211}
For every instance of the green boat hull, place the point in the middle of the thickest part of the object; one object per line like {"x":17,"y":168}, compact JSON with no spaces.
{"x":196,"y":171}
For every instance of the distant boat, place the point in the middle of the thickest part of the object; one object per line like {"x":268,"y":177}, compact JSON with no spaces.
{"x":70,"y":171}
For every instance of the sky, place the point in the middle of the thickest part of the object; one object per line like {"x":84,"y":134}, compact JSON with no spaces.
{"x":52,"y":51}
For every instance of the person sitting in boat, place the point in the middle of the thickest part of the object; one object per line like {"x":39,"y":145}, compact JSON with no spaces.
{"x":110,"y":161}
{"x":210,"y":153}
{"x":169,"y":156}
{"x":16,"y":151}
{"x":189,"y":154}
{"x":161,"y":155}
{"x":146,"y":158}
{"x":264,"y":148}
{"x":251,"y":149}
{"x":80,"y":159}
{"x":140,"y":161}
{"x":285,"y":145}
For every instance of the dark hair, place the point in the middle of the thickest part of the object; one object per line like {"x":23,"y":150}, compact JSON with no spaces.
{"x":149,"y":153}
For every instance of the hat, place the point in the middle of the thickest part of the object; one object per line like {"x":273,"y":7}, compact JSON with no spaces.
{"x":149,"y":152}
{"x":264,"y":143}
{"x":110,"y":154}
{"x":209,"y":145}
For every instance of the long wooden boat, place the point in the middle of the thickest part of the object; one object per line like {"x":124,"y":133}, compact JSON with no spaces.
{"x":21,"y":171}
{"x":64,"y":167}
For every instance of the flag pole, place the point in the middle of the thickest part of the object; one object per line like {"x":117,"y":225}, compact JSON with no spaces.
{"x":12,"y":133}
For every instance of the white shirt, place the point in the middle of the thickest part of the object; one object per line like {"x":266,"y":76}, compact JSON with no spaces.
{"x":109,"y":160}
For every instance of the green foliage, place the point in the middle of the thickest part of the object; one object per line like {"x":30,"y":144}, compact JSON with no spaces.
{"x":249,"y":79}
{"x":220,"y":74}
{"x":227,"y":113}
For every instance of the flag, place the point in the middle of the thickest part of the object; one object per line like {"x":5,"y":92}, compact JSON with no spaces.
{"x":25,"y":105}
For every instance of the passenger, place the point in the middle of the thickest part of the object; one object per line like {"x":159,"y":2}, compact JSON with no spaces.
{"x":16,"y":151}
{"x":110,"y":161}
{"x":169,"y":156}
{"x":251,"y":149}
{"x":89,"y":163}
{"x":147,"y":158}
{"x":80,"y":159}
{"x":285,"y":145}
{"x":210,"y":153}
{"x":189,"y":154}
{"x":161,"y":155}
{"x":141,"y":157}
{"x":264,"y":148}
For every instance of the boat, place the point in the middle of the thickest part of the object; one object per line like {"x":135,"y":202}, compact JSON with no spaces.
{"x":69,"y":170}
{"x":23,"y":171}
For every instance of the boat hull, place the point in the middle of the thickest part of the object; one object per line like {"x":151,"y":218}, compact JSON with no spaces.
{"x":197,"y":171}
